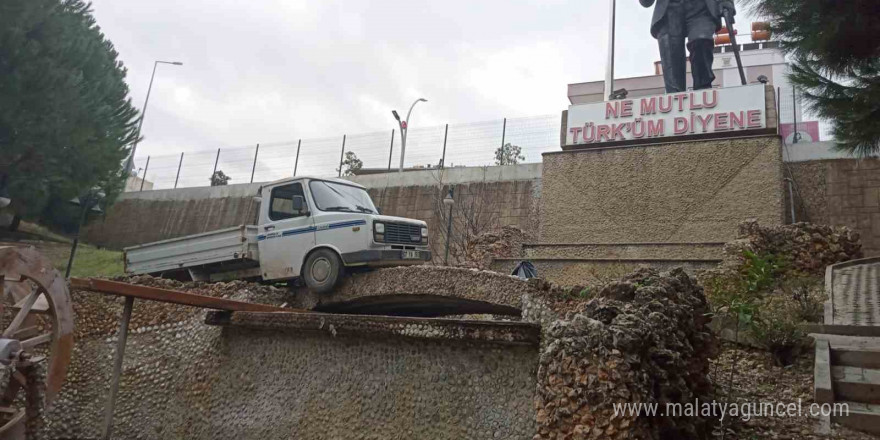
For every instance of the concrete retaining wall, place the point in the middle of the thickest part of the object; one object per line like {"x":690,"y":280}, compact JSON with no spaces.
{"x":842,"y":192}
{"x":682,"y":192}
{"x":143,"y":217}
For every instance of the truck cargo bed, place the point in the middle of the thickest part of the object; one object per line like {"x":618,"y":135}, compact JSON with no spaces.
{"x":233,"y":247}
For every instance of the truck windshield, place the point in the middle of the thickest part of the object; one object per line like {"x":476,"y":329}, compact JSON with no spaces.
{"x":331,"y":196}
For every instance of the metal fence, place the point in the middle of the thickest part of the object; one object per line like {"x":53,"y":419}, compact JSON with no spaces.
{"x":468,"y":144}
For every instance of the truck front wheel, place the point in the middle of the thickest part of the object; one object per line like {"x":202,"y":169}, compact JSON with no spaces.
{"x":323,"y":271}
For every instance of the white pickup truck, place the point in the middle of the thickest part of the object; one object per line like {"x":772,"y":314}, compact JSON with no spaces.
{"x":308,"y":227}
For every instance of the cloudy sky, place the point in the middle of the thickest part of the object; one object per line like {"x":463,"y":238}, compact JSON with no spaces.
{"x":277,"y":70}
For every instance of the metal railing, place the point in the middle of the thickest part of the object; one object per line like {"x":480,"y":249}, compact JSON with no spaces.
{"x":467,"y":144}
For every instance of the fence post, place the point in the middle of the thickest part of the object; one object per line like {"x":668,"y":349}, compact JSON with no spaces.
{"x":503,"y":134}
{"x":216,"y":161}
{"x":296,"y":161}
{"x":179,"y":165}
{"x":794,"y":136}
{"x":443,"y":159}
{"x":146,"y":167}
{"x":341,"y":155}
{"x":254,"y":169}
{"x":779,"y":111}
{"x":391,"y":151}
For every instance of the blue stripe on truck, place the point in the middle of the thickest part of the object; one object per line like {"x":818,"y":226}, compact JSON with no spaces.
{"x":313,"y":229}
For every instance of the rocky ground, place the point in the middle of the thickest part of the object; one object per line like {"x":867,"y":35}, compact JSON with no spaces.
{"x":756,"y":379}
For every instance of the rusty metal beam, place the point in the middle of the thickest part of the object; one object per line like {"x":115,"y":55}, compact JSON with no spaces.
{"x":172,"y":296}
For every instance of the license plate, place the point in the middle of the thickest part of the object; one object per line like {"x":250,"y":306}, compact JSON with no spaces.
{"x":411,"y":255}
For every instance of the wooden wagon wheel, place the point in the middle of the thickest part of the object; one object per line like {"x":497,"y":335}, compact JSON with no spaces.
{"x":37,"y":337}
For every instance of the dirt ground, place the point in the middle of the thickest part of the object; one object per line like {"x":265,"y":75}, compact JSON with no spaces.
{"x":756,"y":379}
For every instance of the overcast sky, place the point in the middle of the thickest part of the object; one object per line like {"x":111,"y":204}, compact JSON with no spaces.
{"x":277,"y":70}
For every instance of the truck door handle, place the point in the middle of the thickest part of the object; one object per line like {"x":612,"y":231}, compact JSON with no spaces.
{"x":269,"y":227}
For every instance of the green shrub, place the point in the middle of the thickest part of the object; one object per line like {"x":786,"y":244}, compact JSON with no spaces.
{"x":766,"y":300}
{"x":778,"y":328}
{"x":808,"y":294}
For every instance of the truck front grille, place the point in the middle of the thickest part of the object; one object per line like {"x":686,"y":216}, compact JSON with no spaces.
{"x":403,"y":233}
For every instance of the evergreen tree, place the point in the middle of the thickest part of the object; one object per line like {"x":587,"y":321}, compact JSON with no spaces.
{"x":65,"y":116}
{"x":508,"y":155}
{"x":220,"y":179}
{"x":351,"y":164}
{"x":834,"y":47}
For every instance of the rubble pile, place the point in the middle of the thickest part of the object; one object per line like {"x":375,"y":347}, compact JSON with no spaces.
{"x":643,"y":339}
{"x":504,"y":243}
{"x":808,"y":248}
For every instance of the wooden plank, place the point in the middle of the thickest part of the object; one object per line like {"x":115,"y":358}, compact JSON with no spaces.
{"x":173,"y":296}
{"x":822,"y":373}
{"x":842,"y":330}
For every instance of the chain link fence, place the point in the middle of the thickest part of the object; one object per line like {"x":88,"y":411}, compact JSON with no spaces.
{"x":467,"y":144}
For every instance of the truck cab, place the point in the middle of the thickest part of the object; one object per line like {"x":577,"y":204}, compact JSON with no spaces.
{"x":315,"y":228}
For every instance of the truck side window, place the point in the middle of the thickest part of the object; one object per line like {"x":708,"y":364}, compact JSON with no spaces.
{"x":281,"y":202}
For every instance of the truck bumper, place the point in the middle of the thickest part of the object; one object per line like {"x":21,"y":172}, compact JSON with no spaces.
{"x":384,"y":257}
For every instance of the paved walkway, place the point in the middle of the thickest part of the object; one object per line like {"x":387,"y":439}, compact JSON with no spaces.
{"x":855,"y":294}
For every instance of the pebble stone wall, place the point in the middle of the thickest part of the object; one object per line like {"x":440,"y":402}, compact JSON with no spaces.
{"x":183,"y":379}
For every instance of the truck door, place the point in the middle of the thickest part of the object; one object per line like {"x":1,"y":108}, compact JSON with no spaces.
{"x":287,"y":232}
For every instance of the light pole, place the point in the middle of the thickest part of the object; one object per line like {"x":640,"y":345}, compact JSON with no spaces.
{"x":404,"y":126}
{"x":87,"y":202}
{"x":5,"y":199}
{"x":448,"y":201}
{"x":609,"y":66}
{"x":144,"y":112}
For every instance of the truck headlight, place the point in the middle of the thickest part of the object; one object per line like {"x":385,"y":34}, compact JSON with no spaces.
{"x":379,"y":232}
{"x":424,"y":232}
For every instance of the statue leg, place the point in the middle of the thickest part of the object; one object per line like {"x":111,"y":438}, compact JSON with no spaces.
{"x":701,"y":63}
{"x":673,"y":61}
{"x":670,"y":39}
{"x":701,"y":28}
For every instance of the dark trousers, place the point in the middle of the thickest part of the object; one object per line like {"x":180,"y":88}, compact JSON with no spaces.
{"x":686,"y":19}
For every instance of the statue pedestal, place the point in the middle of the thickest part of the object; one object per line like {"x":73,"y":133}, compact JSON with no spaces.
{"x":611,"y":208}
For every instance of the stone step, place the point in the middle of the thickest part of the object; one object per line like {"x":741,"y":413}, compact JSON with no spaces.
{"x":861,"y":416}
{"x":855,"y":384}
{"x":854,"y":357}
{"x":625,"y":251}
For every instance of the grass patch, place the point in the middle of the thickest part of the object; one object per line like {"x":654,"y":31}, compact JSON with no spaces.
{"x":89,"y":262}
{"x":92,"y":262}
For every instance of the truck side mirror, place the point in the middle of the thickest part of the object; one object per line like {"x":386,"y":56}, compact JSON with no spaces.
{"x":299,"y":203}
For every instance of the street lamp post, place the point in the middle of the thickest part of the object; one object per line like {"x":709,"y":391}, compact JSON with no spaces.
{"x":87,"y":202}
{"x":404,"y":127}
{"x":448,"y":201}
{"x":128,"y":165}
{"x":5,"y":199}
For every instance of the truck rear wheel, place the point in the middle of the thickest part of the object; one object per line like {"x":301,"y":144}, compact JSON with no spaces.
{"x":323,"y":271}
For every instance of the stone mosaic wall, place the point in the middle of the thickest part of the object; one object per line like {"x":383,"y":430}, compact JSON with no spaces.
{"x":183,"y":379}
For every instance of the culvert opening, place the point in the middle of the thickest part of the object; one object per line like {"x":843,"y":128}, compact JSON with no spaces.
{"x":424,"y":306}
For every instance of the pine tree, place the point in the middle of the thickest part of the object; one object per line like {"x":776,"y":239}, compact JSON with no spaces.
{"x":66,"y":119}
{"x":834,"y":47}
